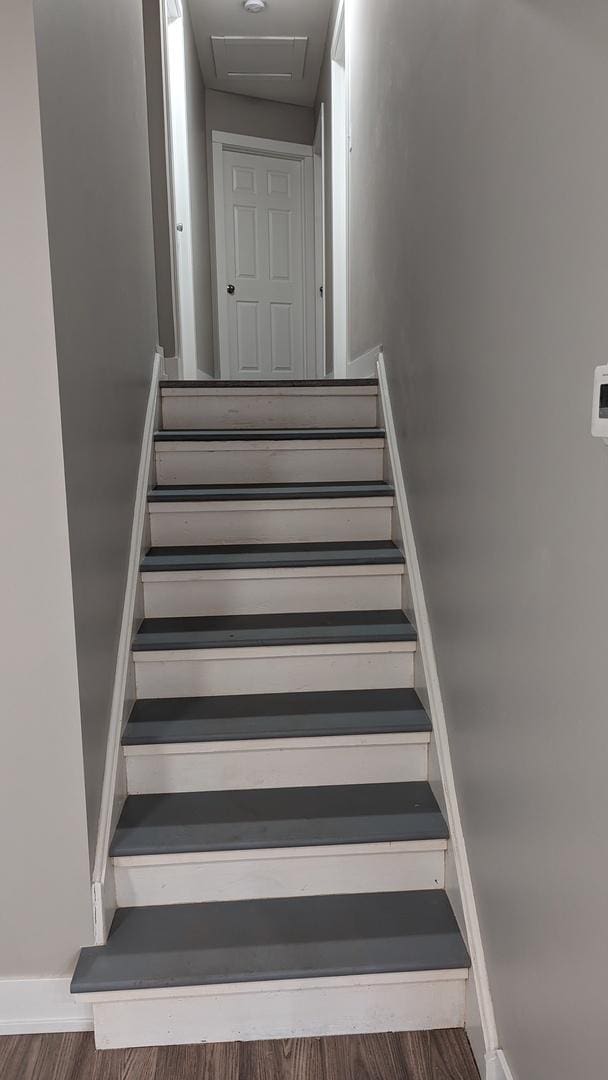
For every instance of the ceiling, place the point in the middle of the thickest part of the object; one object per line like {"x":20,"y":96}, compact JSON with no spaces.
{"x":293,"y":65}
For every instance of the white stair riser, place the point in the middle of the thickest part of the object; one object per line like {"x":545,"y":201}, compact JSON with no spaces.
{"x":252,"y":875}
{"x":274,"y":409}
{"x":373,"y":1004}
{"x":266,"y":671}
{"x":269,"y":463}
{"x":276,"y":763}
{"x":244,"y":592}
{"x":269,"y":523}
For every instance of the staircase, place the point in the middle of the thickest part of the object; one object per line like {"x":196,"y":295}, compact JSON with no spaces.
{"x":279,"y":860}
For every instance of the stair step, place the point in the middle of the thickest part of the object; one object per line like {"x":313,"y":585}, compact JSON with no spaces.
{"x":159,"y":721}
{"x":220,"y":384}
{"x":258,"y":631}
{"x":261,"y":556}
{"x":277,"y":818}
{"x":180,"y":945}
{"x":347,"y":489}
{"x":201,"y":435}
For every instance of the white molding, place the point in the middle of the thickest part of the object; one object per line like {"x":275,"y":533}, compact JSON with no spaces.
{"x":112,"y":795}
{"x":364,"y":366}
{"x":269,"y":147}
{"x":427,"y":653}
{"x":497,"y":1067}
{"x":32,"y":1006}
{"x":340,"y":269}
{"x":225,"y":140}
{"x":320,"y":252}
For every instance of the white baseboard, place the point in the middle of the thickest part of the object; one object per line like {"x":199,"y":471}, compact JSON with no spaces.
{"x":434,"y":702}
{"x":364,"y":367}
{"x":32,"y":1006}
{"x":114,"y":781}
{"x":497,"y":1067}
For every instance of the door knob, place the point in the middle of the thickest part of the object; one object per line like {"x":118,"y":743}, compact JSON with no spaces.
{"x":230,"y":290}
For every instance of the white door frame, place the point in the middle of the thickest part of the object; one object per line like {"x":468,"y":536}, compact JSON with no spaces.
{"x":178,"y":184}
{"x":320,"y":286}
{"x":340,"y":169}
{"x":248,"y":144}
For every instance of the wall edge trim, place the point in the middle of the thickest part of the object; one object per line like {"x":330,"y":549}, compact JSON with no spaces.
{"x":103,"y":898}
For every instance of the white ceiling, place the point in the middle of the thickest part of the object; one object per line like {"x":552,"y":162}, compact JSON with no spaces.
{"x":282,"y":18}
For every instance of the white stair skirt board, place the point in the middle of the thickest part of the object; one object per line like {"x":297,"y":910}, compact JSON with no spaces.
{"x":243,"y":407}
{"x":245,"y":592}
{"x":293,"y":1008}
{"x":269,"y":462}
{"x":270,"y":522}
{"x":30,"y":1006}
{"x":276,"y":763}
{"x":274,"y":872}
{"x":497,"y":1067}
{"x":268,"y":670}
{"x":114,"y":779}
{"x":436,"y":710}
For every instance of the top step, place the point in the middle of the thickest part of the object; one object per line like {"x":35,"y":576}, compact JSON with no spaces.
{"x":346,"y":403}
{"x":222,"y":384}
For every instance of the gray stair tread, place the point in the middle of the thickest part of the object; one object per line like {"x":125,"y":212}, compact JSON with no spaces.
{"x":346,"y":489}
{"x":275,"y":716}
{"x":257,"y":940}
{"x":218,"y":384}
{"x":265,"y":434}
{"x":276,"y":818}
{"x":292,"y":628}
{"x":260,"y":556}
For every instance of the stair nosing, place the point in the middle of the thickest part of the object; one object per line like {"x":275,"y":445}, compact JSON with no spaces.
{"x":305,"y":491}
{"x":224,"y":557}
{"x":212,"y":435}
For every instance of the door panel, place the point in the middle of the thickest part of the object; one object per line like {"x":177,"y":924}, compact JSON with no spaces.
{"x":264,"y":238}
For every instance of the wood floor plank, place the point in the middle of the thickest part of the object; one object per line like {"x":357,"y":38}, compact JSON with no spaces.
{"x":134,"y":1064}
{"x":19,"y":1056}
{"x":437,"y":1055}
{"x":452,"y":1056}
{"x":287,"y":1059}
{"x":219,"y":1061}
{"x":69,"y":1056}
{"x":364,"y":1057}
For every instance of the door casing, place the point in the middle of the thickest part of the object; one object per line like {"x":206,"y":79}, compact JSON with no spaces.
{"x":222,"y":141}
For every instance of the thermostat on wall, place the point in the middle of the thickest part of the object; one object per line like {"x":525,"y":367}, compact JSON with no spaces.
{"x":599,"y":419}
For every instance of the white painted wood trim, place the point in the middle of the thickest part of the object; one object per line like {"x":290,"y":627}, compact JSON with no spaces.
{"x":437,"y":713}
{"x":320,"y":253}
{"x":278,"y":652}
{"x":365,"y":366}
{"x":112,"y":796}
{"x":259,"y":746}
{"x":32,"y":1006}
{"x":270,"y":147}
{"x":497,"y":1067}
{"x":329,"y":851}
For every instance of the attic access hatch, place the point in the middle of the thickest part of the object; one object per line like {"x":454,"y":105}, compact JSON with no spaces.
{"x":259,"y":57}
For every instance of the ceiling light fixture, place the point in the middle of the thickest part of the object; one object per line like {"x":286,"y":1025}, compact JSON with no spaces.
{"x":254,"y":6}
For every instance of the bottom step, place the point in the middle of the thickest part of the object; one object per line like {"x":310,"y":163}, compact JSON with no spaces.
{"x":276,"y":969}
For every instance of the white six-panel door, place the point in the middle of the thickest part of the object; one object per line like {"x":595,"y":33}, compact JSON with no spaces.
{"x":264,"y":254}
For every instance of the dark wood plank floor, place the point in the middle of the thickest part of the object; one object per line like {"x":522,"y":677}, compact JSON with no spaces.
{"x":436,"y":1055}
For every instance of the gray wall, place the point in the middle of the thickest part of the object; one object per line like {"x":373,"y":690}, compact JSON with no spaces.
{"x":97,"y":172}
{"x":199,"y":200}
{"x":46,"y":909}
{"x":264,"y":119}
{"x":158,"y":174}
{"x":480,"y":258}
